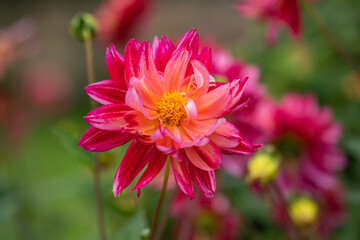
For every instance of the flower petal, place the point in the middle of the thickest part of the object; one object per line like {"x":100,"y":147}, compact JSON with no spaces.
{"x":175,"y":71}
{"x":201,"y":77}
{"x":162,"y":51}
{"x":197,"y":130}
{"x":131,"y":59}
{"x":205,"y":180}
{"x":135,"y":159}
{"x":116,"y":66}
{"x":106,"y":92}
{"x":182,"y":177}
{"x":207,"y":157}
{"x":108,"y":117}
{"x":96,"y":140}
{"x":226,"y":136}
{"x":138,"y":122}
{"x":133,"y":100}
{"x":156,"y":164}
{"x":214,"y":103}
{"x":190,"y":42}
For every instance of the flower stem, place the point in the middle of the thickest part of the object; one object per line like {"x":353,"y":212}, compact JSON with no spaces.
{"x":97,"y":185}
{"x":162,"y":195}
{"x":331,"y":37}
{"x":276,"y":197}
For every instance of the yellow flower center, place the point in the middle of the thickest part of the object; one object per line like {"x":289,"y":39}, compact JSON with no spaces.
{"x":304,"y":211}
{"x":171,"y":109}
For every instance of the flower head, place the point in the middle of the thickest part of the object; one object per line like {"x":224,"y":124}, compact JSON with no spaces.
{"x":206,"y":218}
{"x":306,"y":138}
{"x":275,"y":13}
{"x":117,"y":19}
{"x":164,"y":99}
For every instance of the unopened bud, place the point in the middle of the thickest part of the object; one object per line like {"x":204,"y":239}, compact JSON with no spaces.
{"x":263,"y":167}
{"x":83,"y":26}
{"x":303,"y":211}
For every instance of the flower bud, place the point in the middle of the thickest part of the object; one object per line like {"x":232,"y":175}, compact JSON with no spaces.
{"x":83,"y":26}
{"x":262,"y":167}
{"x":303,"y":211}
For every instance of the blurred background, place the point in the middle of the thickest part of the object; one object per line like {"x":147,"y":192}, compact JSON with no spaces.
{"x":46,"y":185}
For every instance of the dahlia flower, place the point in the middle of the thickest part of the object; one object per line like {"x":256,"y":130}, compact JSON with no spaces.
{"x":205,"y":218}
{"x":306,"y":137}
{"x":275,"y":13}
{"x":164,"y":99}
{"x":314,"y":213}
{"x":117,"y":19}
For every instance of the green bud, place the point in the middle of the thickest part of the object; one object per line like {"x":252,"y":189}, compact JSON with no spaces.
{"x":145,"y":234}
{"x":83,"y":26}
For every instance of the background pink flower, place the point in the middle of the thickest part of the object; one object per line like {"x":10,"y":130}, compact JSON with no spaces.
{"x":274,"y":13}
{"x":118,"y":19}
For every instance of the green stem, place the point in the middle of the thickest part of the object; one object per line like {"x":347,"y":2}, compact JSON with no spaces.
{"x":93,"y":105}
{"x":328,"y":34}
{"x":161,"y":199}
{"x":276,"y":197}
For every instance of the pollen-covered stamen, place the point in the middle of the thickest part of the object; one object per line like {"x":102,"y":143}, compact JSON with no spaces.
{"x":171,"y":108}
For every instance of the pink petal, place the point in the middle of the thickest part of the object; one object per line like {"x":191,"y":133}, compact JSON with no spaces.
{"x":205,"y":180}
{"x":189,"y":42}
{"x":175,"y":71}
{"x":162,"y":51}
{"x":201,"y":76}
{"x":116,"y":66}
{"x":108,"y":117}
{"x":206,"y":158}
{"x":133,"y":100}
{"x":96,"y":140}
{"x":156,"y":164}
{"x":135,"y":159}
{"x":196,"y":130}
{"x":244,"y":148}
{"x":147,"y":67}
{"x":191,"y":110}
{"x":131,"y":59}
{"x":226,"y":136}
{"x":182,"y":177}
{"x":106,"y":92}
{"x":205,"y":57}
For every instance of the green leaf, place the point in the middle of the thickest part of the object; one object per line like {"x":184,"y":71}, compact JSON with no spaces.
{"x":352,"y":146}
{"x":71,"y":145}
{"x":135,"y":227}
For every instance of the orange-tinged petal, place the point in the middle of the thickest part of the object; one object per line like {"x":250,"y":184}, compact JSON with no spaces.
{"x":214,"y":103}
{"x":175,"y":71}
{"x":207,"y":157}
{"x":138,"y":122}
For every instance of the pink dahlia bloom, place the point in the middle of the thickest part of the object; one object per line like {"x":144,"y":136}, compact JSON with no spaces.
{"x":205,"y":218}
{"x":331,"y":212}
{"x":117,"y":19}
{"x":275,"y":13}
{"x":164,"y":99}
{"x":306,"y":136}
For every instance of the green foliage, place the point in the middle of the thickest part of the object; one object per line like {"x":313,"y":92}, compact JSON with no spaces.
{"x":135,"y":228}
{"x":71,"y":145}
